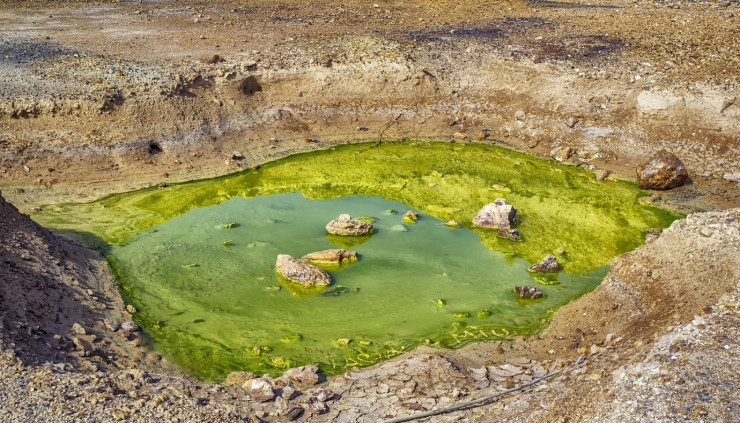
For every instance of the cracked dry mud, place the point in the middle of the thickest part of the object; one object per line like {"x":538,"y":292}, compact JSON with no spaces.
{"x":101,"y":97}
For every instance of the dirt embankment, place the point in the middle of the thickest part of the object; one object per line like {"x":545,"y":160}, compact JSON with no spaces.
{"x":107,"y":97}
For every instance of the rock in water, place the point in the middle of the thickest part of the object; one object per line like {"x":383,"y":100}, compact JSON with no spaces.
{"x":548,"y":264}
{"x":345,"y":225}
{"x":529,"y":292}
{"x":332,"y":256}
{"x":663,"y":171}
{"x":499,"y":214}
{"x":410,"y":217}
{"x":301,"y":272}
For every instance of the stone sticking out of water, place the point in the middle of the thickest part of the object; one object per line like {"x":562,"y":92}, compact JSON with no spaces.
{"x":548,"y":264}
{"x":498,"y":214}
{"x":529,"y":292}
{"x":301,"y":272}
{"x":333,"y":256}
{"x":345,"y":225}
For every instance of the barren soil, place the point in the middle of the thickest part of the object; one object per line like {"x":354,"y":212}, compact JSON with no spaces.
{"x":101,"y":97}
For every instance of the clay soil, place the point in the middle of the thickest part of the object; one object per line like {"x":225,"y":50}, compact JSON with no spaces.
{"x":102,"y":97}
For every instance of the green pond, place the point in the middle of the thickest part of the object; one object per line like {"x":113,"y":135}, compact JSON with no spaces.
{"x":209,"y":298}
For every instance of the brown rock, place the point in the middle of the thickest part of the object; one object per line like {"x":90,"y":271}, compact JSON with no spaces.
{"x":301,"y":272}
{"x":663,"y":171}
{"x":509,"y":233}
{"x":548,"y":264}
{"x":345,"y":225}
{"x":410,"y":217}
{"x":238,"y":378}
{"x":529,"y":292}
{"x":259,"y":390}
{"x":332,"y":256}
{"x":304,"y":375}
{"x":499,"y":214}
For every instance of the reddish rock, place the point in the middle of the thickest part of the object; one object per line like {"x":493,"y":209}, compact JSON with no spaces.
{"x":663,"y":171}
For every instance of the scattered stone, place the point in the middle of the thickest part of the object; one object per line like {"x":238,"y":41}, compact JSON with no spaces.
{"x":650,"y":238}
{"x":315,"y":406}
{"x":345,"y":225}
{"x":301,"y":272}
{"x":288,"y":393}
{"x":529,"y":292}
{"x":323,"y":395}
{"x":361,"y":128}
{"x":508,"y":233}
{"x":663,"y":171}
{"x":19,"y":191}
{"x":331,"y":256}
{"x":83,"y":346}
{"x":563,"y":153}
{"x":304,"y":375}
{"x":601,"y":174}
{"x":548,"y":264}
{"x":163,"y":184}
{"x":259,"y":389}
{"x":498,"y":214}
{"x":237,"y":156}
{"x":131,"y":309}
{"x":293,"y":413}
{"x":127,"y":329}
{"x":452,"y":224}
{"x":571,"y":122}
{"x":520,"y":115}
{"x":410,"y":217}
{"x":111,"y":325}
{"x":238,"y":378}
{"x":78,"y":329}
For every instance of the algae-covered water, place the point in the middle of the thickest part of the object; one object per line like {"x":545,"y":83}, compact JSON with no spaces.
{"x":215,"y":306}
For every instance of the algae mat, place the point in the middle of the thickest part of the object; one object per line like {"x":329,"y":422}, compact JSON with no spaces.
{"x":216,"y":308}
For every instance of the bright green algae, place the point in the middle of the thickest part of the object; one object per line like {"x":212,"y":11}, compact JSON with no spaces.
{"x":559,"y":207}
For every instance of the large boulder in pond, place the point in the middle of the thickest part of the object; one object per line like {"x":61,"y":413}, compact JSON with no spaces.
{"x":345,"y":225}
{"x":331,"y":256}
{"x":499,"y":214}
{"x":548,"y":264}
{"x":301,"y":272}
{"x":663,"y":171}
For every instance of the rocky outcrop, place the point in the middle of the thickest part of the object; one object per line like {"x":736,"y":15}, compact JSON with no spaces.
{"x":663,"y":171}
{"x":529,"y":292}
{"x":548,"y":264}
{"x":331,"y":256}
{"x":345,"y":225}
{"x":301,"y":272}
{"x":499,"y":214}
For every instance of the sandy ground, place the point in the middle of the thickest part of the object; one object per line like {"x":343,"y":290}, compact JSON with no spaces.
{"x":101,"y":97}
